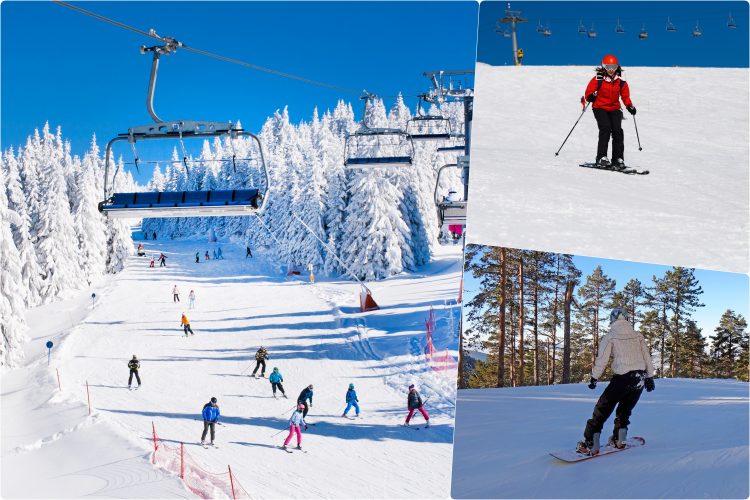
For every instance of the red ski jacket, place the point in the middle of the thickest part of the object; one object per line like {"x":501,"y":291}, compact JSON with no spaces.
{"x":609,"y":93}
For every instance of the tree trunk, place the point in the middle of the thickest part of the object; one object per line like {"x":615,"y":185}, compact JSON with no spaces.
{"x":501,"y":323}
{"x":520,"y":322}
{"x":536,"y":335}
{"x":566,"y":332}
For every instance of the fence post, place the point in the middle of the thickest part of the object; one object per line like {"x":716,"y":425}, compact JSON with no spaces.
{"x":58,"y":379}
{"x":88,"y":396}
{"x":182,"y":461}
{"x":231,"y":482}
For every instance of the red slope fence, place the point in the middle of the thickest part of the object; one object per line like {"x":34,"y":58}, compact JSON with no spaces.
{"x":198,"y":480}
{"x":439,"y":362}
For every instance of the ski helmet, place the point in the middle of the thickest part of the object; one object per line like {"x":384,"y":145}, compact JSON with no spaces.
{"x":301,"y":406}
{"x":214,"y":400}
{"x":275,"y":369}
{"x":411,"y":387}
{"x":610,"y":63}
{"x":618,"y":312}
{"x":351,"y":386}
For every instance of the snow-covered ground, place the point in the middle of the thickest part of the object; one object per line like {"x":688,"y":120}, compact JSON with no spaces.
{"x":692,"y":210}
{"x":696,"y":435}
{"x":314,"y":334}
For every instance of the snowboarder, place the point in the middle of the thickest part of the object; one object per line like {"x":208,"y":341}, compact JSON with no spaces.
{"x":162,"y":259}
{"x":351,"y":400}
{"x":296,"y":422}
{"x":261,"y":356}
{"x":207,"y":256}
{"x":248,"y":252}
{"x":210,"y":415}
{"x":414,"y":402}
{"x":152,"y":262}
{"x":197,"y":257}
{"x":304,"y":396}
{"x":604,"y":91}
{"x":219,"y":254}
{"x":185,"y":323}
{"x":175,"y":294}
{"x":191,"y":300}
{"x":154,"y":236}
{"x":633,"y":370}
{"x":134,"y":365}
{"x":276,"y":379}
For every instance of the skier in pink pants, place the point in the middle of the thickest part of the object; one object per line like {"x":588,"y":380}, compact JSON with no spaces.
{"x":295,"y":424}
{"x":414,"y":402}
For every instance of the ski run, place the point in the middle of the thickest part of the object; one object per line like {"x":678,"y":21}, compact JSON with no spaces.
{"x":314,"y":334}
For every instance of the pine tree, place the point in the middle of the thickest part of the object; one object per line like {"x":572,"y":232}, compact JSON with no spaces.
{"x":729,"y":346}
{"x":595,"y":298}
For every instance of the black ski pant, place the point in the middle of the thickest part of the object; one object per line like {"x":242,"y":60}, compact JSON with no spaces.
{"x":176,"y":297}
{"x":137,"y":377}
{"x":610,"y":125}
{"x":187,"y":329}
{"x":206,"y":426}
{"x":307,"y":408}
{"x":274,"y":385}
{"x":622,"y":392}
{"x":257,"y":365}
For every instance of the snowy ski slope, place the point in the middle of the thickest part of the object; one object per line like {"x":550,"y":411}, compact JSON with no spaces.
{"x":314,"y":334}
{"x":696,"y":435}
{"x":692,"y":210}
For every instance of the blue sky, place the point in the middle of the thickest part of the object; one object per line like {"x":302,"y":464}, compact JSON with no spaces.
{"x":89,"y":77}
{"x":721,"y":291}
{"x":718,"y":47}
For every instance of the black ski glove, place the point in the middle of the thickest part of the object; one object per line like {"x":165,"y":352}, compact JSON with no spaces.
{"x":631,"y":110}
{"x":591,"y":97}
{"x":592,"y":383}
{"x":649,"y":384}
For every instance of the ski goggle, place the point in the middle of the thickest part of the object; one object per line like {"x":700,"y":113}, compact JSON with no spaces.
{"x":611,"y":68}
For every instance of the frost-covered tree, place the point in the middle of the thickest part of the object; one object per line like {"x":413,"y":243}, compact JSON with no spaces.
{"x":90,"y":225}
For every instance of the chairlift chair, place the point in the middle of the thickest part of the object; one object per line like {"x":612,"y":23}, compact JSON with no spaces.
{"x":423,"y":127}
{"x":547,"y":31}
{"x":539,"y":27}
{"x":592,"y":32}
{"x":581,"y":28}
{"x":619,"y":29}
{"x":208,"y":203}
{"x":378,"y":147}
{"x":643,"y":34}
{"x":670,"y":26}
{"x":450,"y":212}
{"x":697,"y":32}
{"x":730,"y":22}
{"x":457,"y":144}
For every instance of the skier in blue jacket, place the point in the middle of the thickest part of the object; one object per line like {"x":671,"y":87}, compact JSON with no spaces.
{"x":210,"y":417}
{"x":276,"y":379}
{"x":304,"y":396}
{"x":351,"y":400}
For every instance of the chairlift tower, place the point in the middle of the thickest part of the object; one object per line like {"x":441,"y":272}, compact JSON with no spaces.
{"x":513,"y":17}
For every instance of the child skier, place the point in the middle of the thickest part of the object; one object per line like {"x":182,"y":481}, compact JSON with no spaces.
{"x":191,"y":300}
{"x":260,"y":360}
{"x":175,"y":294}
{"x":633,"y":370}
{"x":351,"y":400}
{"x":134,"y":366}
{"x":295,"y":423}
{"x":152,"y":262}
{"x":304,"y":396}
{"x":207,"y":257}
{"x":162,"y":257}
{"x":276,"y":379}
{"x":197,"y":257}
{"x":185,"y":323}
{"x":216,"y":257}
{"x":604,"y":91}
{"x":219,"y":254}
{"x":414,"y":402}
{"x":210,"y":415}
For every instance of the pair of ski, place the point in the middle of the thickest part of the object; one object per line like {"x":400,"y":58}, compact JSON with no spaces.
{"x":572,"y":456}
{"x":134,"y":388}
{"x":415,"y":427}
{"x":289,"y":450}
{"x":208,"y":445}
{"x":626,"y":170}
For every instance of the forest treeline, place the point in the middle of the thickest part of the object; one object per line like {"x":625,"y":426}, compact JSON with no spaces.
{"x":540,"y":321}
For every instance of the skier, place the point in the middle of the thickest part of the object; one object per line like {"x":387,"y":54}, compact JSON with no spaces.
{"x":248,"y":253}
{"x":134,"y":365}
{"x":276,"y":379}
{"x":145,"y":235}
{"x":216,"y":257}
{"x":633,"y":370}
{"x":211,"y":415}
{"x":191,"y":300}
{"x":351,"y":400}
{"x":197,"y":257}
{"x":220,"y":255}
{"x":185,"y":323}
{"x":141,"y":250}
{"x":175,"y":294}
{"x":154,"y":236}
{"x":162,"y":259}
{"x":261,"y":356}
{"x":207,"y":257}
{"x":304,"y":396}
{"x":152,"y":262}
{"x":295,"y":423}
{"x":604,"y":91}
{"x":414,"y":402}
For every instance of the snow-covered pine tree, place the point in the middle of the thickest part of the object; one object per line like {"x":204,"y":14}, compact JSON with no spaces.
{"x":90,"y":225}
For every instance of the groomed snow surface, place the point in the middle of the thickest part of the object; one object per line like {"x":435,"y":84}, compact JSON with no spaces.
{"x":314,"y":335}
{"x":696,"y":435}
{"x":691,"y":210}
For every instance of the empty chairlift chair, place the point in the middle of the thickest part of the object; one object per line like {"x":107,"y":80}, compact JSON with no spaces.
{"x":671,"y":28}
{"x":619,"y":29}
{"x":581,"y":28}
{"x":697,"y":31}
{"x":378,"y":147}
{"x":730,"y":22}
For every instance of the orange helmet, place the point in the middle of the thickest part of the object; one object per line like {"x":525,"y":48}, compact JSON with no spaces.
{"x":609,"y":59}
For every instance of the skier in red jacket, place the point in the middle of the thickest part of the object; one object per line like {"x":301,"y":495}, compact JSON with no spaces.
{"x":604,"y":91}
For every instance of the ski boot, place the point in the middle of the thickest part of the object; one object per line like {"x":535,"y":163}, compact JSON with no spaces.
{"x":603,"y":162}
{"x":619,"y":440}
{"x":298,"y":448}
{"x":618,"y":164}
{"x":427,"y":424}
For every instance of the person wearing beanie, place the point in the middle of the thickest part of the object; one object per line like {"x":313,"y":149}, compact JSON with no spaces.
{"x":210,"y":415}
{"x":351,"y":400}
{"x":414,"y":402}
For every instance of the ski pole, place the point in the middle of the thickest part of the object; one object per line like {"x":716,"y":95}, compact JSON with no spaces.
{"x":636,"y":134}
{"x":287,"y":411}
{"x":246,"y":369}
{"x":574,"y":126}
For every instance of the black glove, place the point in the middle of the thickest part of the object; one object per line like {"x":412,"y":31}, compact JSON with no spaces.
{"x":591,"y":97}
{"x":649,"y":384}
{"x":631,"y":110}
{"x":592,"y":383}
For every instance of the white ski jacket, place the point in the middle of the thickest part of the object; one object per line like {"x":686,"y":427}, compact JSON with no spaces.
{"x":628,"y":348}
